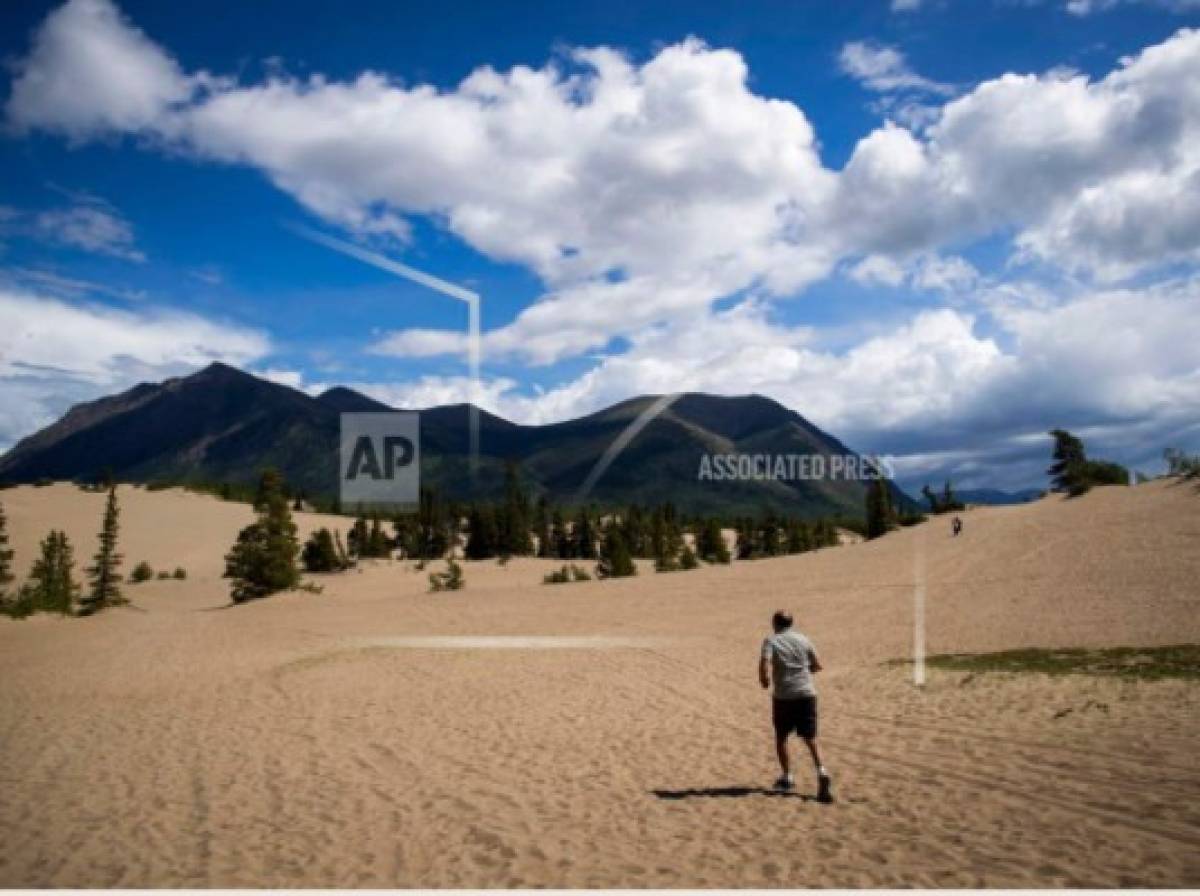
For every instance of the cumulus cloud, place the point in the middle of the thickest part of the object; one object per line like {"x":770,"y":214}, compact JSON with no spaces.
{"x":55,"y":353}
{"x":944,"y":390}
{"x":884,"y":69}
{"x":642,"y":194}
{"x":640,"y":191}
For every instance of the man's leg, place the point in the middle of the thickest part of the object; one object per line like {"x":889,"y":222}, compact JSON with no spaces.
{"x":811,"y":743}
{"x":781,"y":750}
{"x":824,"y":781}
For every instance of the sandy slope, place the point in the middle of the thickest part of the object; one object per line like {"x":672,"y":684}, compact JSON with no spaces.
{"x":183,"y":743}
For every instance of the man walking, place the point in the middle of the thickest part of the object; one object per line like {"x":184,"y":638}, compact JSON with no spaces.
{"x":789,"y":660}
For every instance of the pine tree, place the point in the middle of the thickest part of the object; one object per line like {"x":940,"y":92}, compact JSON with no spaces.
{"x":562,"y":544}
{"x":687,"y":558}
{"x":514,"y":517}
{"x":747,"y":538}
{"x":1069,"y":458}
{"x":481,"y":534}
{"x":880,"y":517}
{"x":321,"y":553}
{"x":6,"y":559}
{"x":615,"y":560}
{"x":51,"y":586}
{"x":585,"y":536}
{"x":541,"y":525}
{"x":710,"y":542}
{"x":105,"y":590}
{"x":263,"y":560}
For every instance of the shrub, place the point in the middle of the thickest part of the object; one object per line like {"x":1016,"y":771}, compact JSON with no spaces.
{"x":263,"y":559}
{"x":143,"y":572}
{"x":180,"y":573}
{"x":688,"y":559}
{"x":450,"y":580}
{"x":572,"y":573}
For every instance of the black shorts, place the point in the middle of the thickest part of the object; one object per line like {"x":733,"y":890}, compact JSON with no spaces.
{"x":798,"y":714}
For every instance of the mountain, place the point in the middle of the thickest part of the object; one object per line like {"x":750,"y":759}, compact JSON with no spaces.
{"x":996,"y":497}
{"x":224,"y":425}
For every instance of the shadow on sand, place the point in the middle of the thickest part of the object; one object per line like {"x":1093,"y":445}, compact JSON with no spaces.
{"x":719,"y":792}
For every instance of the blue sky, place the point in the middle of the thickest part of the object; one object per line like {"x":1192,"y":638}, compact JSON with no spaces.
{"x":935,"y":228}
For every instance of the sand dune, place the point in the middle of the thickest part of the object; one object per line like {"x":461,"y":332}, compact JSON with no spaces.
{"x":318,"y":740}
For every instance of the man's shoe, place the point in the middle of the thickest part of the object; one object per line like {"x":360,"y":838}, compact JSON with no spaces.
{"x":785,"y":782}
{"x":824,"y":788}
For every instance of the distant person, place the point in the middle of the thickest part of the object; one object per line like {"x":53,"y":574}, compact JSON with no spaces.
{"x":956,"y":526}
{"x":790,"y":660}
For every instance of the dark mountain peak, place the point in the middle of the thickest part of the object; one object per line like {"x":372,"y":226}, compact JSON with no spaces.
{"x":345,"y":400}
{"x":221,"y":424}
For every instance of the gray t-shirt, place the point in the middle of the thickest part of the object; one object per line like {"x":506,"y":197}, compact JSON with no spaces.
{"x":791,"y":655}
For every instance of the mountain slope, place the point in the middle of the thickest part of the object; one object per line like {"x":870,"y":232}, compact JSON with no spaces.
{"x":221,"y":424}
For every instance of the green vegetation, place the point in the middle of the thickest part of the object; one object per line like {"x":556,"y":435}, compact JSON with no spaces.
{"x":450,"y":580}
{"x":1146,"y":663}
{"x":143,"y":572}
{"x":51,"y":587}
{"x":881,"y":516}
{"x":947,"y":502}
{"x":324,"y":553}
{"x":615,"y":560}
{"x":1181,"y":464}
{"x":104,"y":588}
{"x":570,"y":573}
{"x":6,"y":560}
{"x":263,"y":559}
{"x":1074,"y":474}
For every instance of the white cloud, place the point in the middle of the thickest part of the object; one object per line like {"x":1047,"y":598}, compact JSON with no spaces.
{"x":936,"y":389}
{"x":905,"y":5}
{"x":91,"y":228}
{"x":54,"y":353}
{"x":91,"y":70}
{"x":1087,"y":7}
{"x":884,"y":69}
{"x":642,"y":193}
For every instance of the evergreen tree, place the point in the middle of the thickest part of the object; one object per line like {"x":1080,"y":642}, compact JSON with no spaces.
{"x":269,"y":482}
{"x":105,"y":590}
{"x":433,"y":532}
{"x":377,"y":541}
{"x":687,"y":558}
{"x":321,"y":553}
{"x":747,"y":540}
{"x":710,"y":542}
{"x":1066,"y":473}
{"x":541,"y":525}
{"x":482,"y":535}
{"x":880,"y":517}
{"x":585,"y":536}
{"x":514,"y":518}
{"x":6,"y":559}
{"x":562,"y":544}
{"x":343,"y":555}
{"x":615,"y":559}
{"x":263,"y":559}
{"x":51,"y":586}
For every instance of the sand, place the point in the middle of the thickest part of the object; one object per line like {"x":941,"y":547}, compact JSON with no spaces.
{"x":325,"y":740}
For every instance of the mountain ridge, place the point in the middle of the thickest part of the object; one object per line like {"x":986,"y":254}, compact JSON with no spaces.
{"x":221,"y":424}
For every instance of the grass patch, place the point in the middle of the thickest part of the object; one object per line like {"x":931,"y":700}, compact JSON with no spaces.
{"x":1145,"y":663}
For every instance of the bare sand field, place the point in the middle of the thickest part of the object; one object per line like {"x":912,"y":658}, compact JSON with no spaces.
{"x":318,"y":740}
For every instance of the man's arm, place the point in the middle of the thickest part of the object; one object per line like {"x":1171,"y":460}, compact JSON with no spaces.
{"x":764,"y":672}
{"x":814,"y":661}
